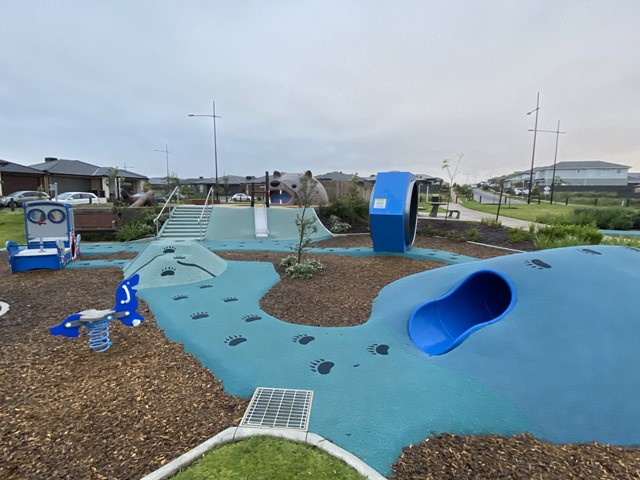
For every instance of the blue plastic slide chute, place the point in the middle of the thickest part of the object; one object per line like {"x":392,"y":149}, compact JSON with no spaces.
{"x":480,"y":299}
{"x":393,"y":212}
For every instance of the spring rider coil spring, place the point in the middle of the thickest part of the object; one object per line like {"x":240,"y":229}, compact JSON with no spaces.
{"x":99,"y":335}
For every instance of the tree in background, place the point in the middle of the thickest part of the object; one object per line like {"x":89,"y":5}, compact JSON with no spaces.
{"x":354,"y":201}
{"x":452,"y":176}
{"x":173,"y":181}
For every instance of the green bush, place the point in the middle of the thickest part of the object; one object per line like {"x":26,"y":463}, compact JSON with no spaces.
{"x":473,"y":234}
{"x":555,"y":236}
{"x":134,"y":230}
{"x":490,"y":222}
{"x":520,"y":234}
{"x":608,"y":218}
{"x":305,"y":269}
{"x":352,"y":209}
{"x":338,"y":226}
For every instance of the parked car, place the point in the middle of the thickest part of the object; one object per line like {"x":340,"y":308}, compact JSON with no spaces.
{"x":240,"y":197}
{"x":22,"y":196}
{"x":78,"y":198}
{"x":521,"y":191}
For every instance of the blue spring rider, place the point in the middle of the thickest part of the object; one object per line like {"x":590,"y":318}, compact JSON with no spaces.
{"x":96,"y":322}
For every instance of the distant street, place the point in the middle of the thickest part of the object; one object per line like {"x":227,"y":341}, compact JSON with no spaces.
{"x":485,"y":196}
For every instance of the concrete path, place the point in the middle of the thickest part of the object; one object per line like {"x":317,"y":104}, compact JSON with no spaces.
{"x":469,"y":215}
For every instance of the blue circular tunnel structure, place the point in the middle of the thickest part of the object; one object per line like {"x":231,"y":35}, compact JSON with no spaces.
{"x":393,"y":212}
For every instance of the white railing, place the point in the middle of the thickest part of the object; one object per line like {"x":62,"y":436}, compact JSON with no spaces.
{"x":204,"y":209}
{"x":166,"y":204}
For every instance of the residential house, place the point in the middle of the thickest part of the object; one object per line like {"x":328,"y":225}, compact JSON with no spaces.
{"x":15,"y":177}
{"x":75,"y":175}
{"x":574,"y":173}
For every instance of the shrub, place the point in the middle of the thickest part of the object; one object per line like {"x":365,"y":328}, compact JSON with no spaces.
{"x":304,"y":270}
{"x":621,"y":241}
{"x":338,"y":226}
{"x":473,"y":234}
{"x":134,"y":230}
{"x":609,"y":218}
{"x":555,"y":236}
{"x":520,"y":234}
{"x":491,"y":222}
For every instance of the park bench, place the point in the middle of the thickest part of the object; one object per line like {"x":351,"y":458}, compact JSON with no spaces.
{"x":451,"y":212}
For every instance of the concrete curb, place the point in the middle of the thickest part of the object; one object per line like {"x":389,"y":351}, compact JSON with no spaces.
{"x":234,"y":434}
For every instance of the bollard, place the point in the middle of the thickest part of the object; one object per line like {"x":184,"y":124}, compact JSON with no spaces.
{"x":13,"y":204}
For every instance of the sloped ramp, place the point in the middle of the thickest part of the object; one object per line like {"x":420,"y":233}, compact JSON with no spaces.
{"x":237,"y":223}
{"x":261,"y":221}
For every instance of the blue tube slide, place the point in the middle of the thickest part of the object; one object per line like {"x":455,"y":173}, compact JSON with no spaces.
{"x":480,"y":299}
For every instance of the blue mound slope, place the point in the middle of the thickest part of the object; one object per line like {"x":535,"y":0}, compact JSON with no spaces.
{"x":562,"y":363}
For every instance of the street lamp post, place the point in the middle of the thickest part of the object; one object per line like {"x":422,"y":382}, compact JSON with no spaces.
{"x":533,"y":154}
{"x":215,"y":143}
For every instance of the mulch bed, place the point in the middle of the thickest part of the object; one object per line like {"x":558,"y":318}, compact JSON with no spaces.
{"x":68,"y":412}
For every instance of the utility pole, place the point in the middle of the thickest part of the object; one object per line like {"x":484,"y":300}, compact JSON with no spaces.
{"x":533,"y":154}
{"x":555,"y":157}
{"x":166,"y":152}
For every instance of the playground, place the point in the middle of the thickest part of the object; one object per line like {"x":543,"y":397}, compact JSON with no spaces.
{"x":74,"y":413}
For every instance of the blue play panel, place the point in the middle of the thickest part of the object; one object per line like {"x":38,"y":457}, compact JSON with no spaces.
{"x":542,"y":342}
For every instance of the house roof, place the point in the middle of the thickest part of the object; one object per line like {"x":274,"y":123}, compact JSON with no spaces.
{"x":61,"y":166}
{"x":572,"y":165}
{"x":66,"y":167}
{"x":105,"y":171}
{"x":9,"y":167}
{"x":339,"y":176}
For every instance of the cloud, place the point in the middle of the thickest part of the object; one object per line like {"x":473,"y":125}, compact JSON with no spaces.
{"x":350,"y":85}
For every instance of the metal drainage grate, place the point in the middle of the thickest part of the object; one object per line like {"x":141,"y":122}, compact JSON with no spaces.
{"x":279,"y":408}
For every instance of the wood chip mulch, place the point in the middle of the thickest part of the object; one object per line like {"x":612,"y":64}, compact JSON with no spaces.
{"x":68,"y":412}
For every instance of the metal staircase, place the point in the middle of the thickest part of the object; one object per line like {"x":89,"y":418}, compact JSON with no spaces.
{"x":183,"y":222}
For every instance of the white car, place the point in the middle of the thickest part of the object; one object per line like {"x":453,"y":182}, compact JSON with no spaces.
{"x":78,"y":198}
{"x":22,"y":196}
{"x":240,"y":197}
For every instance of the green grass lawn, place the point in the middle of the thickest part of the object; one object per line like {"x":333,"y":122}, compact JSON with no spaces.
{"x":266,"y":458}
{"x":522,"y":211}
{"x":11,"y":226}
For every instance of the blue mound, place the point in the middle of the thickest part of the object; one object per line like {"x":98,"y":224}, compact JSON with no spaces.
{"x":561,"y":364}
{"x":482,"y":298}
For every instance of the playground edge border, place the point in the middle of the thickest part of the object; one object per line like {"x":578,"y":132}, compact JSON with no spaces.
{"x":234,"y":434}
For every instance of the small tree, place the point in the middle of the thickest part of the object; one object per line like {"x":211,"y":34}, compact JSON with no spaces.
{"x":306,"y":197}
{"x":225,"y":182}
{"x":173,"y":181}
{"x":354,"y":201}
{"x":452,"y":176}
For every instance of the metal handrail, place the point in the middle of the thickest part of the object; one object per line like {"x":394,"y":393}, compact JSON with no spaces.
{"x":204,"y":209}
{"x":166,"y":203}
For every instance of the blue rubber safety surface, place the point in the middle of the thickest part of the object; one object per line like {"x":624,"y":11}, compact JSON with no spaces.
{"x":562,"y":364}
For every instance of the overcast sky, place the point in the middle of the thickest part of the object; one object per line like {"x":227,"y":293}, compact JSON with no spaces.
{"x":358,"y":86}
